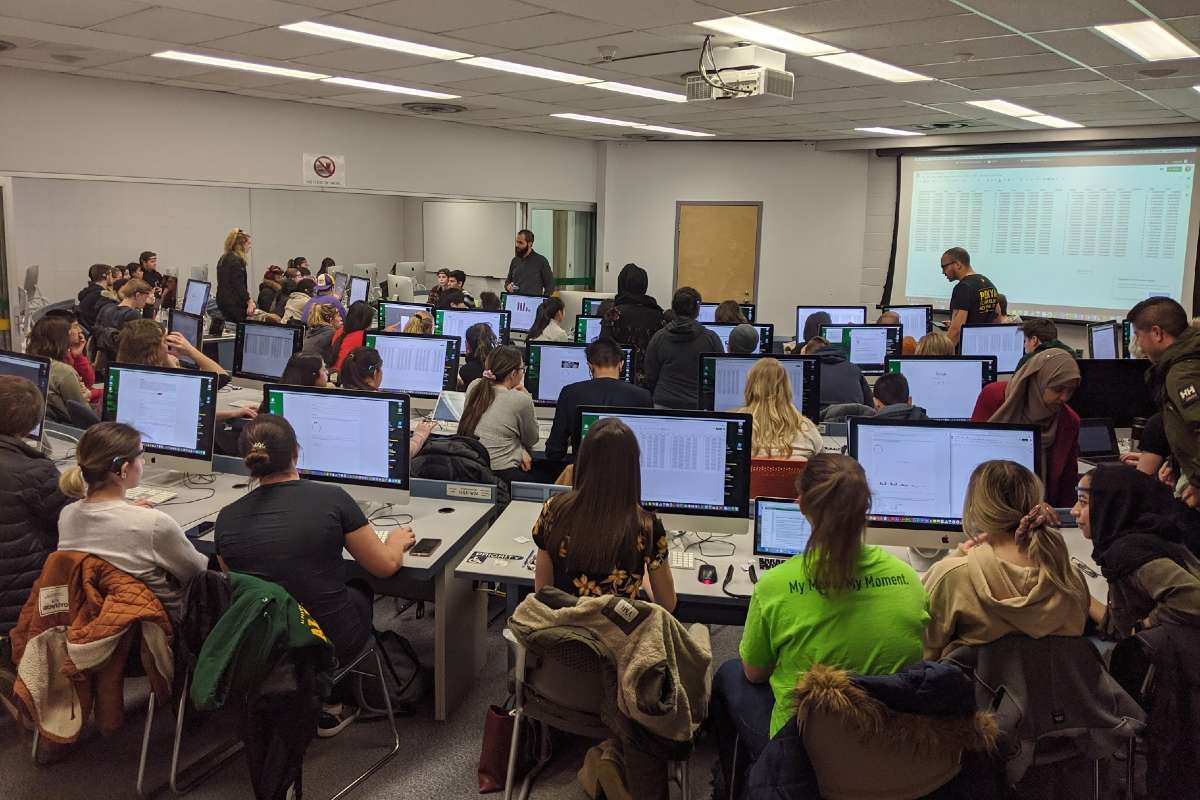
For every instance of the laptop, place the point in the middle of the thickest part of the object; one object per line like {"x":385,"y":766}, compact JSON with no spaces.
{"x":1098,"y":442}
{"x":780,"y":530}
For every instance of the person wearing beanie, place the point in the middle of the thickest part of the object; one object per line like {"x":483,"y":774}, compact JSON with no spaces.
{"x":743,"y":339}
{"x":323,"y":293}
{"x":673,"y":355}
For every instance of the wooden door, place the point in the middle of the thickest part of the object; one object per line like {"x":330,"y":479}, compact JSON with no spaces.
{"x":716,"y":249}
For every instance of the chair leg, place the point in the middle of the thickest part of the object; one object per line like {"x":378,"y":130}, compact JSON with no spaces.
{"x":1096,"y":779}
{"x":543,"y":760}
{"x":387,"y":701}
{"x":208,"y":763}
{"x":685,"y":780}
{"x":34,"y":751}
{"x":733,"y":770}
{"x":1132,"y":755}
{"x":513,"y":748}
{"x":141,"y":773}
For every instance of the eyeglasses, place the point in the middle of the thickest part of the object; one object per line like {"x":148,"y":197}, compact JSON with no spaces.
{"x":948,"y":264}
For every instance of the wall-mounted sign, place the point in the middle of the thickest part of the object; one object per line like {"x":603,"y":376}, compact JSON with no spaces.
{"x":318,"y":169}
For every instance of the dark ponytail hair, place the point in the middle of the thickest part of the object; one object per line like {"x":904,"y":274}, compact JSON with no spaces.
{"x":267,"y":445}
{"x":359,"y":317}
{"x":359,"y":367}
{"x":546,"y":312}
{"x":302,"y":369}
{"x":481,"y":341}
{"x":502,"y":362}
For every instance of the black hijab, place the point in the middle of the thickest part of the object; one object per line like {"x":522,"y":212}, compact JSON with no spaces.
{"x":631,"y":288}
{"x":1135,"y":519}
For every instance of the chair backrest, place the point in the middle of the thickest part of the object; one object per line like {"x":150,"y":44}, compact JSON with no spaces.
{"x":565,"y":687}
{"x":774,"y":477}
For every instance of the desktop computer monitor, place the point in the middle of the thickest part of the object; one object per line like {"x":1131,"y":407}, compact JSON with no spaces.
{"x":34,"y":369}
{"x":587,"y":328}
{"x":350,"y":437}
{"x":868,"y":346}
{"x":414,"y":363}
{"x":456,"y":321}
{"x":1126,"y":337}
{"x":945,"y":386}
{"x":175,"y":410}
{"x":838,"y":315}
{"x":918,"y":473}
{"x":522,"y":307}
{"x":708,"y":312}
{"x":549,"y":366}
{"x":766,"y":335}
{"x":591,"y":305}
{"x":359,"y":289}
{"x":915,"y":321}
{"x":261,"y":350}
{"x":394,"y":316}
{"x":189,"y":326}
{"x":723,"y":381}
{"x":195,"y":296}
{"x":340,"y":280}
{"x":1113,"y":389}
{"x":1005,"y":342}
{"x":695,"y":465}
{"x":1104,"y":339}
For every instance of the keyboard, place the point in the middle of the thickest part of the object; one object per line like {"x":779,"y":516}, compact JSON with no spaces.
{"x":767,"y":563}
{"x":150,"y":495}
{"x":682,"y":560}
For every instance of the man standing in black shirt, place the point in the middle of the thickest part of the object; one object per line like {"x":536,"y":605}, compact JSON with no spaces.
{"x":974,"y":300}
{"x":529,"y":272}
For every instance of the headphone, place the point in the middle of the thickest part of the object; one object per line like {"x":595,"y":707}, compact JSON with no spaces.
{"x":729,"y":579}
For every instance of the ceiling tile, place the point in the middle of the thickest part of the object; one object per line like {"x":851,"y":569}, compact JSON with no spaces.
{"x":834,"y":15}
{"x":1030,"y":79}
{"x":172,"y":25}
{"x":1165,"y":9}
{"x":996,"y":66}
{"x":407,"y":34}
{"x":1182,"y":68}
{"x":1080,"y":87}
{"x":914,"y":55}
{"x":632,"y":13}
{"x":67,"y":55}
{"x":629,"y":45}
{"x":7,"y":60}
{"x":70,"y":12}
{"x":305,"y":89}
{"x":1188,"y":27}
{"x":264,"y":12}
{"x":938,"y":29}
{"x":748,"y":6}
{"x":1045,"y":15}
{"x":336,"y":5}
{"x":437,"y":72}
{"x":147,"y":66}
{"x":364,"y":59}
{"x":675,"y":64}
{"x":105,"y":72}
{"x":274,"y":43}
{"x":236,"y":77}
{"x":551,"y":28}
{"x":1088,"y":46}
{"x":444,"y":15}
{"x":487,"y":81}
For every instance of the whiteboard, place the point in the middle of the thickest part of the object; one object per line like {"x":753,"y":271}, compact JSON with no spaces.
{"x":474,"y":237}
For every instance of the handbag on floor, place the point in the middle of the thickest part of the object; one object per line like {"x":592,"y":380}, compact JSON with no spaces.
{"x":498,"y":725}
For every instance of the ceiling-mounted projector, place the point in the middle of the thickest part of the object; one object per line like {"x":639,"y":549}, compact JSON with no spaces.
{"x":745,"y":72}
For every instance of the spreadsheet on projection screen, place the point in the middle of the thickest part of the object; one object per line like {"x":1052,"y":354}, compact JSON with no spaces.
{"x":1077,"y":235}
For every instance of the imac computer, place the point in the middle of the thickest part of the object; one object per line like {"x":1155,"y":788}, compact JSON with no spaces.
{"x":838,"y":315}
{"x":195,"y":296}
{"x":189,"y":326}
{"x":1126,"y":338}
{"x":587,"y":328}
{"x":1104,"y":339}
{"x":591,"y":305}
{"x":359,"y":289}
{"x":261,"y":351}
{"x":766,"y":335}
{"x":916,"y":321}
{"x":340,"y":281}
{"x":522,"y":307}
{"x":416,"y":364}
{"x":398,"y":288}
{"x":349,"y":437}
{"x":918,"y":473}
{"x":695,"y":465}
{"x":456,"y":322}
{"x":1005,"y":342}
{"x":708,"y":312}
{"x":175,"y":410}
{"x":868,"y":346}
{"x":394,"y":316}
{"x":34,"y":369}
{"x":723,"y":381}
{"x":573,"y":300}
{"x":1113,"y":389}
{"x":945,"y":386}
{"x":549,"y":366}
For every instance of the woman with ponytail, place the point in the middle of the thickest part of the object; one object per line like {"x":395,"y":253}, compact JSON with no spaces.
{"x":134,"y":537}
{"x":1013,"y":576}
{"x":361,"y":369}
{"x":499,"y":412}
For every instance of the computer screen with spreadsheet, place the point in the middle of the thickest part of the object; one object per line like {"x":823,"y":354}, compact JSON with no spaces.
{"x":765,"y":331}
{"x":916,"y":321}
{"x":456,"y":322}
{"x":708,"y":312}
{"x":549,"y":366}
{"x":1005,"y":342}
{"x":723,"y":381}
{"x":262,"y":349}
{"x":523,"y":308}
{"x":414,"y":363}
{"x":34,"y":369}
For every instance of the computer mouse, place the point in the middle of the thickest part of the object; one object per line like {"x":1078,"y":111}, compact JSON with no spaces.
{"x":707,"y":573}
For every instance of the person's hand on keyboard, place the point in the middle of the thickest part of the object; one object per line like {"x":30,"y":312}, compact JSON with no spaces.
{"x":142,"y":503}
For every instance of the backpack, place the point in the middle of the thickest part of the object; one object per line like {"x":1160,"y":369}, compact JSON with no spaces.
{"x":407,"y":680}
{"x":458,"y":458}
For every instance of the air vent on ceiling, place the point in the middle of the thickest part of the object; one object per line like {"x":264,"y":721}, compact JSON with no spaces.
{"x":433,"y":108}
{"x":67,"y":58}
{"x":1157,"y":72}
{"x":6,"y":46}
{"x":944,"y":126}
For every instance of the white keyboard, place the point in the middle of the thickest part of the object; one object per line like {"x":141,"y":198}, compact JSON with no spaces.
{"x":150,"y":495}
{"x":682,"y":560}
{"x":383,"y":536}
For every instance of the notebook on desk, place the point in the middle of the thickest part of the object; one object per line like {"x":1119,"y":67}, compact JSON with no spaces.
{"x":780,"y":530}
{"x":1098,"y":442}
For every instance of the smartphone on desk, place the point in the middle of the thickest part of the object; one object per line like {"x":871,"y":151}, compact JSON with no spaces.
{"x":425,"y":547}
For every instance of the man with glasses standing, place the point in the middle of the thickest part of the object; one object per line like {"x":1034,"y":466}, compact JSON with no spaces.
{"x":974,"y":300}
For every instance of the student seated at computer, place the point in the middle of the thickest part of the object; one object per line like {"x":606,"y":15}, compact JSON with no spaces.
{"x":458,"y":280}
{"x":779,"y":430}
{"x":908,"y":345}
{"x":1002,"y":315}
{"x":134,"y":296}
{"x":293,"y":309}
{"x":841,"y":604}
{"x":96,"y":294}
{"x":1038,"y":395}
{"x":1153,"y":450}
{"x":481,"y":341}
{"x":323,"y":323}
{"x":51,"y":338}
{"x":499,"y":412}
{"x":489,"y":301}
{"x":271,"y":296}
{"x":891,"y":401}
{"x":841,"y":381}
{"x":588,"y":560}
{"x":77,"y":355}
{"x":420,"y":322}
{"x":302,"y":369}
{"x":292,"y":532}
{"x":743,"y":339}
{"x":359,"y":320}
{"x":452,"y":298}
{"x":323,"y":295}
{"x":728,"y":312}
{"x":547,"y":323}
{"x":1040,"y":335}
{"x":1013,"y":576}
{"x":936,"y":343}
{"x":1138,"y":532}
{"x":141,"y":541}
{"x":673,"y":355}
{"x":363,"y":371}
{"x":605,"y":388}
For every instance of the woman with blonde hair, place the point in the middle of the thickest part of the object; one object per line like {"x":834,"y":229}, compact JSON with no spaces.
{"x":779,"y":430}
{"x":233,"y":291}
{"x":1013,"y":576}
{"x":323,"y":322}
{"x":420,"y":322}
{"x":935,"y":343}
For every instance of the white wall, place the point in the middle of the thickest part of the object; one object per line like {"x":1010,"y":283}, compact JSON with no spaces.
{"x":814,"y":211}
{"x":474,"y":237}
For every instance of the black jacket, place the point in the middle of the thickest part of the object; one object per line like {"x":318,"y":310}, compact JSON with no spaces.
{"x":472,"y":369}
{"x":233,"y":291}
{"x":841,"y":381}
{"x":91,"y":300}
{"x":673,"y":362}
{"x":457,"y":458}
{"x":29,"y":506}
{"x":636,"y":316}
{"x":594,"y":392}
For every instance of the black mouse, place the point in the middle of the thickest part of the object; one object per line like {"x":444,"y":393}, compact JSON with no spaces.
{"x":707,"y":573}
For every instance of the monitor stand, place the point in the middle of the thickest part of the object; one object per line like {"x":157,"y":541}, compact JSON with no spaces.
{"x":373,"y":499}
{"x":166,"y":470}
{"x":162,"y":477}
{"x":696,"y":523}
{"x":916,"y":539}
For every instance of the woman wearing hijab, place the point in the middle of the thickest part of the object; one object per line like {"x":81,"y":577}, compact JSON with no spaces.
{"x":1038,"y":395}
{"x":635,"y":315}
{"x":1137,"y":529}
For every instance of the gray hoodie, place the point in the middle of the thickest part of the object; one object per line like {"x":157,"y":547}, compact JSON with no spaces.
{"x":673,"y":362}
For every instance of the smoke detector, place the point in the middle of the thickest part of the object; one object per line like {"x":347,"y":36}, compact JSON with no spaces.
{"x":943,"y":126}
{"x":433,"y":108}
{"x":607,"y":52}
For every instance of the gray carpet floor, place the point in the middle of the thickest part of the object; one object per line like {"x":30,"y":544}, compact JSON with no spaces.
{"x":436,"y":760}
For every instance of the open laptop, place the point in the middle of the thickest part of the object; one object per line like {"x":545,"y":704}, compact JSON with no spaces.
{"x":780,"y":530}
{"x":1098,"y":442}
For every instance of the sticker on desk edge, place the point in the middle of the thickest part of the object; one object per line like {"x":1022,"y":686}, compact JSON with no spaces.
{"x":479,"y":557}
{"x":468,"y":490}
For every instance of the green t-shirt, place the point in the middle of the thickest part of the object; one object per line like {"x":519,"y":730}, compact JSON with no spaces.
{"x":874,"y":628}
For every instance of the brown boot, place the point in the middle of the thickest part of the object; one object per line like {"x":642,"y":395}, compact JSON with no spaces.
{"x":603,"y":772}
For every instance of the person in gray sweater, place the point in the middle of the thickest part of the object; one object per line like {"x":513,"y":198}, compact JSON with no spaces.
{"x":499,"y":413}
{"x":673,"y":355}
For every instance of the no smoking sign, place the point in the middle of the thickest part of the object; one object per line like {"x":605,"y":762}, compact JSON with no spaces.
{"x":323,"y":170}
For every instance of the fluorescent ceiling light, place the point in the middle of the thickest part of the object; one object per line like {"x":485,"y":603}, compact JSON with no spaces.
{"x":1003,"y":107}
{"x":1052,"y":122}
{"x":387,"y":87}
{"x":1197,"y":88}
{"x":1150,"y":40}
{"x":230,"y":63}
{"x":873,"y":67}
{"x":621,"y":123}
{"x":628,"y":88}
{"x":525,"y":69}
{"x":890,"y":131}
{"x":768,"y":35}
{"x":371,"y":40}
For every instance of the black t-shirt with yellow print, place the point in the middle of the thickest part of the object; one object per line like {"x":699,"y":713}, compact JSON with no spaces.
{"x":976,"y":295}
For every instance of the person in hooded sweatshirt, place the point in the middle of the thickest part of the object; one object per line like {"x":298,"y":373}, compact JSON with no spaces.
{"x":1013,"y":577}
{"x":635,"y":316}
{"x":91,"y":297}
{"x":892,"y":401}
{"x":841,"y":381}
{"x":673,"y":355}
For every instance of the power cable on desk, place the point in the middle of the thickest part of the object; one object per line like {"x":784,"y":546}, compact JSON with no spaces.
{"x":382,"y":514}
